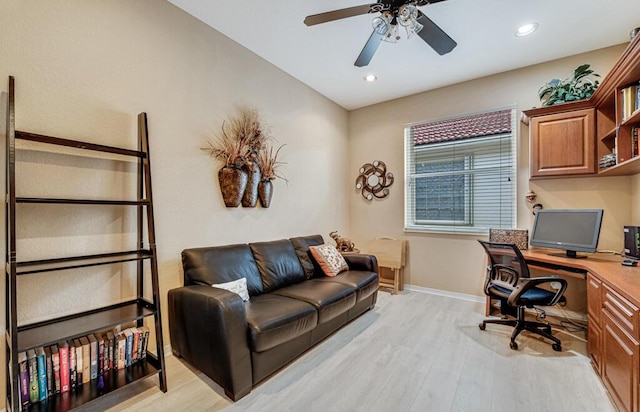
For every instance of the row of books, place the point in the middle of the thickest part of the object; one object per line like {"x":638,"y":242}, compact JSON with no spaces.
{"x":59,"y":368}
{"x":630,"y":101}
{"x":607,"y":161}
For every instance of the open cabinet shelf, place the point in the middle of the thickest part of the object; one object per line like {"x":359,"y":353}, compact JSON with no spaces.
{"x":75,"y":262}
{"x":48,"y":332}
{"x":97,"y":388}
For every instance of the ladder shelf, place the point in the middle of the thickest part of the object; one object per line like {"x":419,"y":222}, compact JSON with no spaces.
{"x":133,"y":311}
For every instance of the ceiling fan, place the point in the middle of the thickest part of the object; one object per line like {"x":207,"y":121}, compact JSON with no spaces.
{"x":385,"y":27}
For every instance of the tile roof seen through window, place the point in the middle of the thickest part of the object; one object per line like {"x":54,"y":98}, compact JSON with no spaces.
{"x":477,"y":125}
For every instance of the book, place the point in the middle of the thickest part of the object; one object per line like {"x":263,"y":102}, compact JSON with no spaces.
{"x":42,"y":373}
{"x":63,"y":351}
{"x":101,"y":352}
{"x":50,"y":384}
{"x":145,"y":341}
{"x":55,"y":361}
{"x":23,"y":370}
{"x":136,"y":344}
{"x":128,"y":334}
{"x":122,"y":347}
{"x":73,"y":371}
{"x":638,"y":96}
{"x":93,"y":348}
{"x":629,"y":95}
{"x":32,"y":365}
{"x":110,"y":342}
{"x":79,"y":361}
{"x":86,"y":359}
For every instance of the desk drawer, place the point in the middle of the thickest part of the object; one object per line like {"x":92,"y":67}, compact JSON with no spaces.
{"x":620,"y":309}
{"x":594,"y":300}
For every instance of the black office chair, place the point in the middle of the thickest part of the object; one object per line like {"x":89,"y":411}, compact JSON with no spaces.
{"x":508,"y":281}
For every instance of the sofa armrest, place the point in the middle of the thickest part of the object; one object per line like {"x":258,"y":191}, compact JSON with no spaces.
{"x":208,"y":327}
{"x":362,"y":262}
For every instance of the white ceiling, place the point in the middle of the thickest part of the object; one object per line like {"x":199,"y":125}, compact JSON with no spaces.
{"x":322,"y":56}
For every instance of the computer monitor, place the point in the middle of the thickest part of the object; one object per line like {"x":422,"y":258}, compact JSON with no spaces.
{"x":573,"y":230}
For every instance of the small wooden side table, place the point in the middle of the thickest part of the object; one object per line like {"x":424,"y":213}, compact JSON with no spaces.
{"x":391,"y":253}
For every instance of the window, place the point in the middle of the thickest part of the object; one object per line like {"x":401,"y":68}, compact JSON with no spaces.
{"x":460,"y":173}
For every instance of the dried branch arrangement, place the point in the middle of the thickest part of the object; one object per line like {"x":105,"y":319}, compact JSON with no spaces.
{"x":269,"y":163}
{"x":239,"y":140}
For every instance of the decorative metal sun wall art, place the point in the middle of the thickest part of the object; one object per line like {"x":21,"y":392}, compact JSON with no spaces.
{"x":374,"y":180}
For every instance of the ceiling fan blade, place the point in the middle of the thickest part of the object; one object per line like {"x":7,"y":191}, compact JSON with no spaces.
{"x":369,"y":49}
{"x":337,"y":14}
{"x":435,"y":36}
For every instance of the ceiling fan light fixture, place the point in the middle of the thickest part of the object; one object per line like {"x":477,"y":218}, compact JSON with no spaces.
{"x":394,"y":13}
{"x":526,"y":29}
{"x":413,"y":29}
{"x":392,"y":35}
{"x":381,"y":25}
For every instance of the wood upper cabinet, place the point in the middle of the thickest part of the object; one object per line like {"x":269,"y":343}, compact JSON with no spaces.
{"x":563,"y":144}
{"x":570,"y":139}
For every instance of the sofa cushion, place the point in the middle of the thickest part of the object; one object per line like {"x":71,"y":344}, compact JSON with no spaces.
{"x":239,"y":287}
{"x":364,"y":282}
{"x":277,"y":319}
{"x":301,"y":245}
{"x":329,"y":298}
{"x":329,"y":259}
{"x":277,"y":263}
{"x":220,"y":264}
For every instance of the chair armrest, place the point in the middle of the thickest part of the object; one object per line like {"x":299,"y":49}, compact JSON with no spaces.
{"x":208,"y":327}
{"x":362,"y":262}
{"x":505,"y":275}
{"x":524,"y":284}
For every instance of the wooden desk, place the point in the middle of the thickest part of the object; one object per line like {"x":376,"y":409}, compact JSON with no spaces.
{"x":613,"y":302}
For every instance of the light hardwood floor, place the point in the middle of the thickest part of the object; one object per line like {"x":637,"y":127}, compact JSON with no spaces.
{"x":413,"y":352}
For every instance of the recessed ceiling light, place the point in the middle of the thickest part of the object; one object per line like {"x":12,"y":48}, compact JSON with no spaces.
{"x":526,"y":29}
{"x":370,"y":78}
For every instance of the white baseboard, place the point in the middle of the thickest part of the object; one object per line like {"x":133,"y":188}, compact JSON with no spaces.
{"x":446,"y":293}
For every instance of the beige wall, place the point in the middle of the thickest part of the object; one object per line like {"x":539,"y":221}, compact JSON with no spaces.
{"x":635,"y":199}
{"x":84,"y":70}
{"x":455,"y":262}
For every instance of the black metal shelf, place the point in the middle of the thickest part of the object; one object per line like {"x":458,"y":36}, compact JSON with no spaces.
{"x":80,"y":324}
{"x":50,"y":265}
{"x":43,"y":200}
{"x":108,"y":383}
{"x":58,"y":141}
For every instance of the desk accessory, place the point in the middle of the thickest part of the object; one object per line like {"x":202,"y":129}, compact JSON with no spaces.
{"x":632,"y":242}
{"x":519,"y":237}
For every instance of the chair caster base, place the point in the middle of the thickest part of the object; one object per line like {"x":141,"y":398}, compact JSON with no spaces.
{"x":556,"y":347}
{"x":513,"y":345}
{"x":482,"y":326}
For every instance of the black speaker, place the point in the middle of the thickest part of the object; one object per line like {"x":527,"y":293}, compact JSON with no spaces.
{"x":632,"y":242}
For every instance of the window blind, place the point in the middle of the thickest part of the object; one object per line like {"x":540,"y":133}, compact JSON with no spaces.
{"x":460,"y":173}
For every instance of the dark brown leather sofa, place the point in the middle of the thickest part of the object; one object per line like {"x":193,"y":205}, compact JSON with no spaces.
{"x":292,"y":306}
